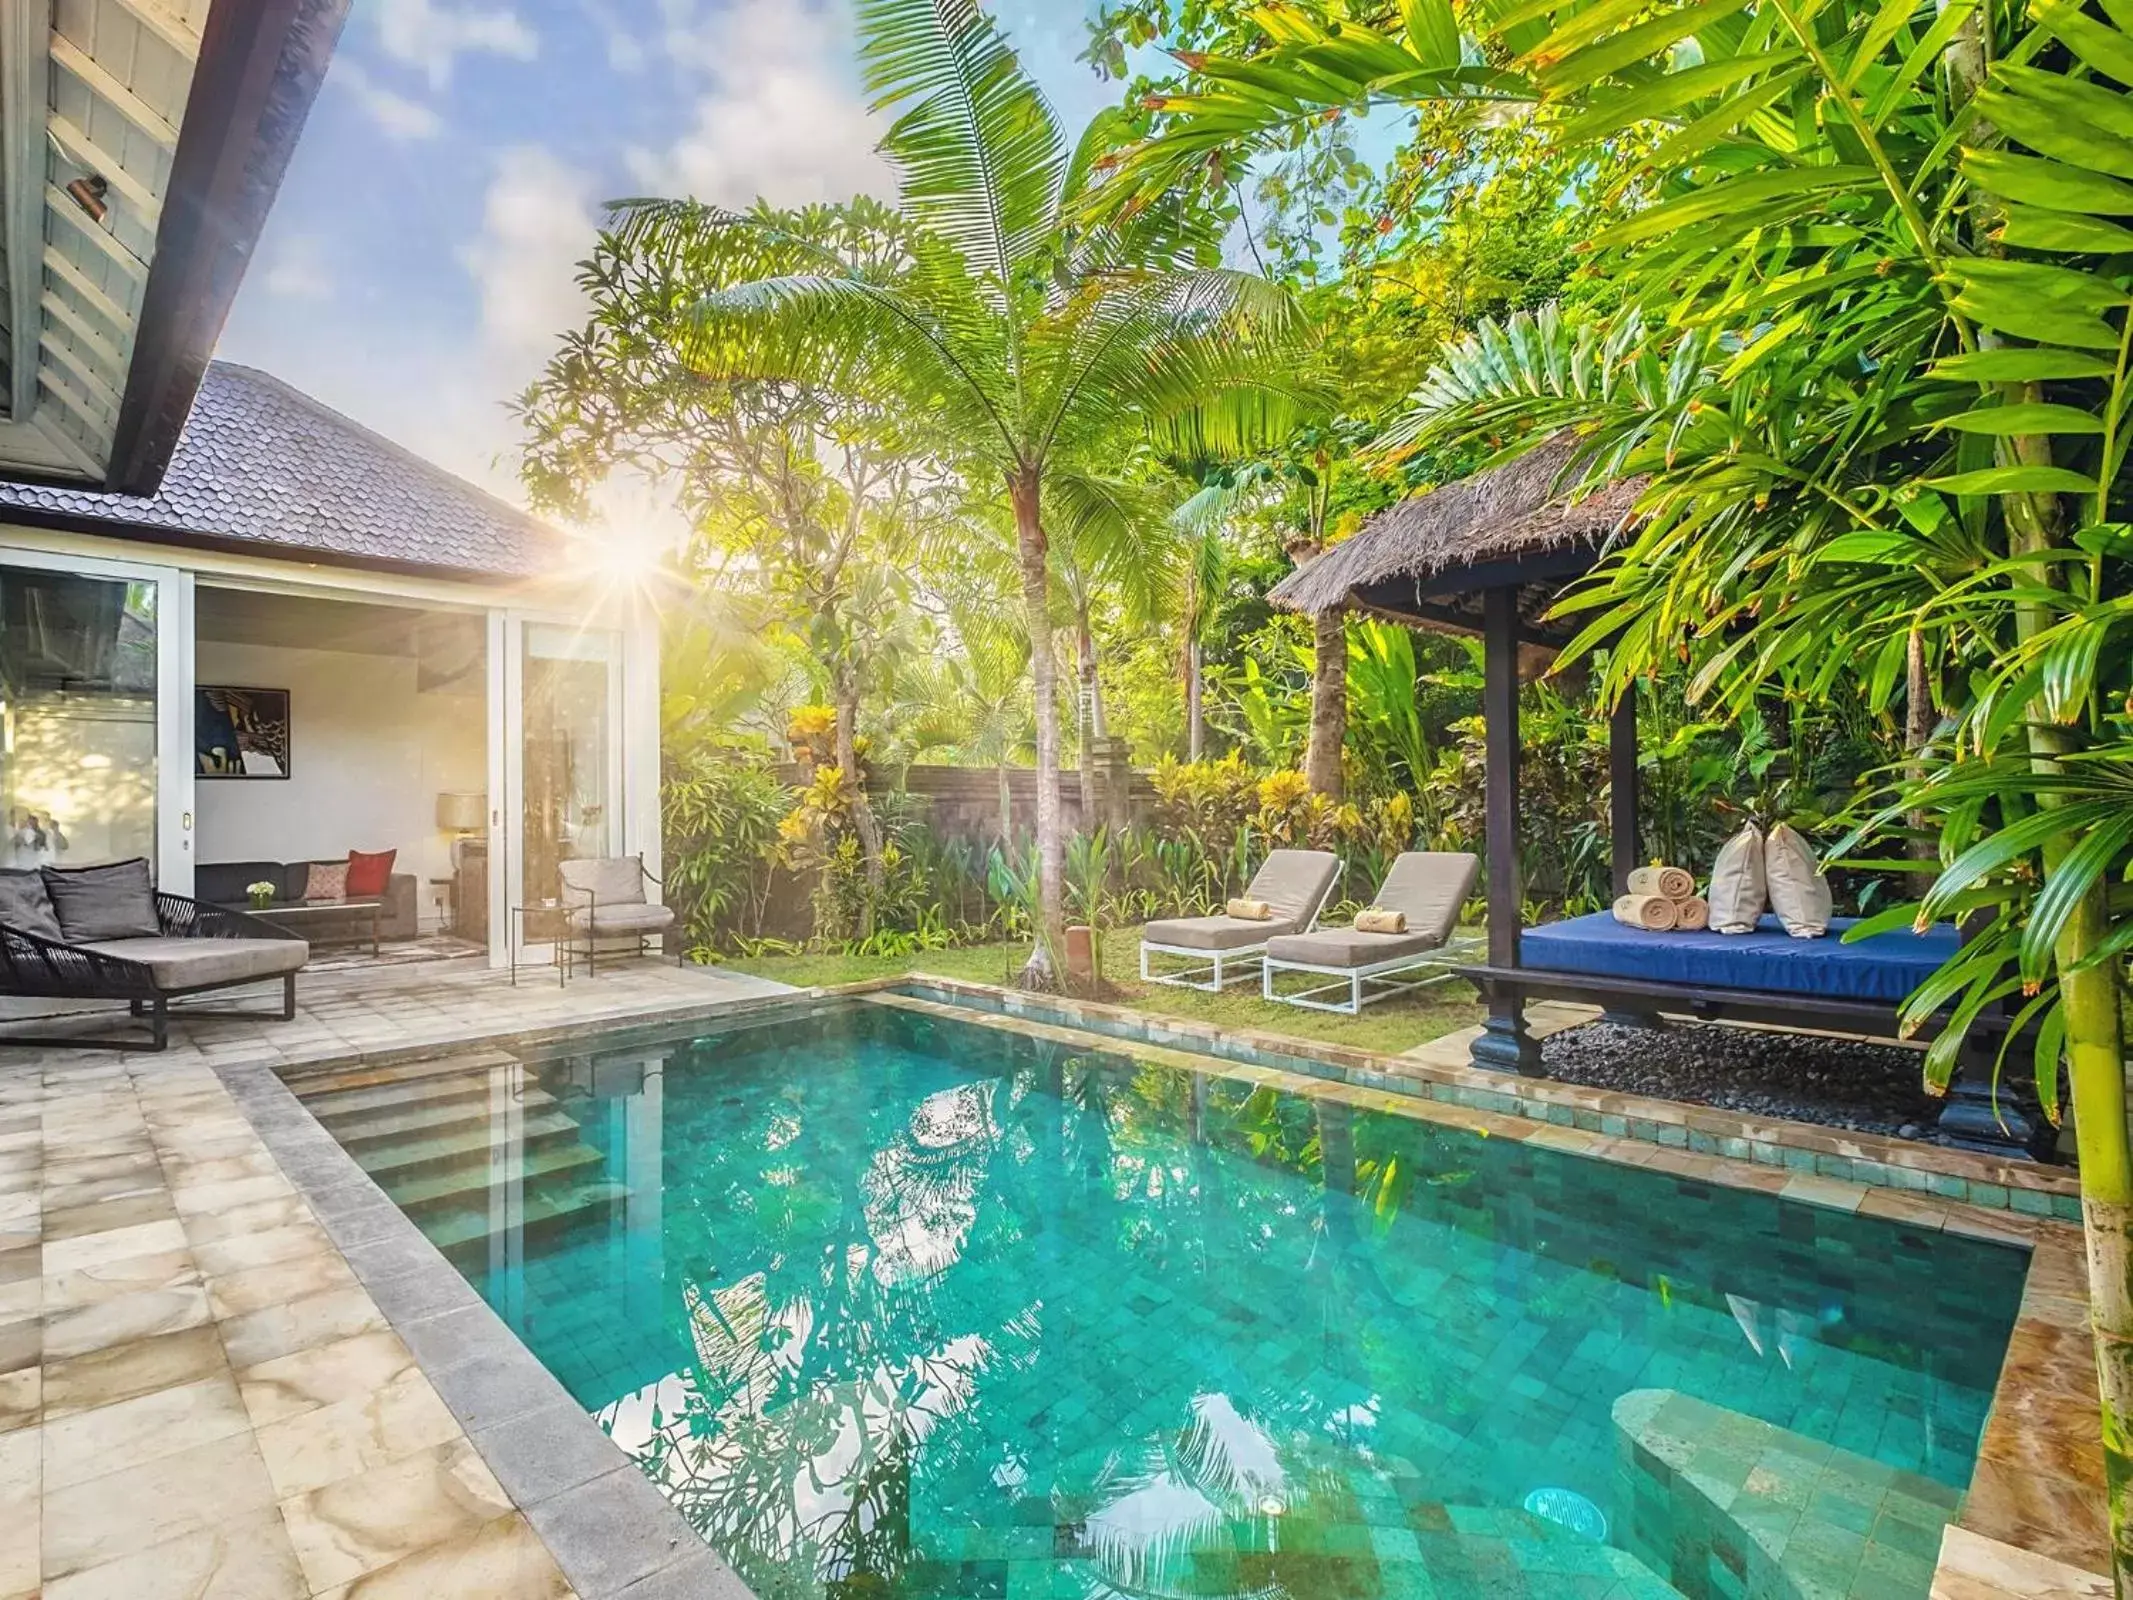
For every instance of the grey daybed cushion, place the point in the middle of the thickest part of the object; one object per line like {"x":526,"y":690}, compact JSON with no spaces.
{"x":190,"y":963}
{"x":25,"y":905}
{"x":1294,"y":882}
{"x":113,"y":902}
{"x":1430,"y":886}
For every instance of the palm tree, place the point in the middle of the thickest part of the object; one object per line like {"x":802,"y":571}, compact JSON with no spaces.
{"x":1029,"y":337}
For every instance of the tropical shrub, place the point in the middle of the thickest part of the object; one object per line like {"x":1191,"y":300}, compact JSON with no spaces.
{"x":720,"y":812}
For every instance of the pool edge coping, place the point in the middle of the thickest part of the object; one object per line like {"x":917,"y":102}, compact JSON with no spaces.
{"x":2031,"y":1441}
{"x":603,"y":1525}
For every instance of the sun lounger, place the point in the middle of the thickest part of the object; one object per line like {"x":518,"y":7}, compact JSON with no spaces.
{"x":1295,"y":883}
{"x":1429,"y":887}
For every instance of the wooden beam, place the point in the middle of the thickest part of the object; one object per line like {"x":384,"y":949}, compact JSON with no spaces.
{"x":85,"y":151}
{"x":93,"y":383}
{"x":1504,"y":1043}
{"x":25,"y":99}
{"x":80,"y":64}
{"x":58,"y":200}
{"x":92,"y":296}
{"x":1622,"y":781}
{"x":58,"y":310}
{"x":261,"y":65}
{"x":164,"y":26}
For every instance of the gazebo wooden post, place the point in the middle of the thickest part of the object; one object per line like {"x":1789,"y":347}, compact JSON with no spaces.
{"x":1504,"y":1043}
{"x":1623,"y":844}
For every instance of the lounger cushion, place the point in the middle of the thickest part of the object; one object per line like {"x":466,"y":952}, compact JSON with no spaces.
{"x":1349,"y":947}
{"x":25,"y":905}
{"x":191,"y":963}
{"x":113,"y":902}
{"x":1431,"y":887}
{"x":623,"y":918}
{"x":1210,"y":933}
{"x":1295,"y":883}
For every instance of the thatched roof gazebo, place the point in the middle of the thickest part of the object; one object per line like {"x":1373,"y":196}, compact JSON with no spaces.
{"x":1490,"y":555}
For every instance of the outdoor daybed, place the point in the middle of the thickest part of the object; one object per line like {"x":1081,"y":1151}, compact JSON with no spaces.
{"x":1294,"y":883}
{"x":103,"y":933}
{"x":1763,"y":977}
{"x":1427,"y":886}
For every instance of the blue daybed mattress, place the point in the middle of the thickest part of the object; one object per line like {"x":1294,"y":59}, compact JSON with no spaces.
{"x":1885,"y":967}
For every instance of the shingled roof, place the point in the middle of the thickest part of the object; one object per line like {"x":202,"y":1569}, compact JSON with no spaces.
{"x":263,"y":468}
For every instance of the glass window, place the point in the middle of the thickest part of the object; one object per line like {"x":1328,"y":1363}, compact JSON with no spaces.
{"x":572,"y":771}
{"x":77,"y":719}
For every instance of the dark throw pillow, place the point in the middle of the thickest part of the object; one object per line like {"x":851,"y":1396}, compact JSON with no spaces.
{"x":25,"y":905}
{"x":369,"y":873}
{"x":114,"y":902}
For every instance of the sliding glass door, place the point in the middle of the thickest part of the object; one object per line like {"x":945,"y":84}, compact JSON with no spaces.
{"x":561,"y":761}
{"x":95,"y":680}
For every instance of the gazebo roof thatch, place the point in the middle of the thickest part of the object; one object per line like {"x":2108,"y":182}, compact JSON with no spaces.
{"x":1510,"y":524}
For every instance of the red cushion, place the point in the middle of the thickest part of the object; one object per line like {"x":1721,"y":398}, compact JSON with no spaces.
{"x":368,"y":874}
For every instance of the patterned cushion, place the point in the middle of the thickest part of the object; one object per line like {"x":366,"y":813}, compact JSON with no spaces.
{"x":327,"y":880}
{"x":113,"y":902}
{"x":25,"y":905}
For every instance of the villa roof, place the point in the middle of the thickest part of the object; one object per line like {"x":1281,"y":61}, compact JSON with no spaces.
{"x":263,"y":468}
{"x":1509,"y":524}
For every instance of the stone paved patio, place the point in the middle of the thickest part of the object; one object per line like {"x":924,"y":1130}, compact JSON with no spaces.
{"x":200,"y":1394}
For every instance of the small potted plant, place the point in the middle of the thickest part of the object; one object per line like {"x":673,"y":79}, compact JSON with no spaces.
{"x":261,"y":894}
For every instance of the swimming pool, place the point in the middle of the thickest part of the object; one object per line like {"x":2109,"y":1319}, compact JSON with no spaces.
{"x":894,"y":1305}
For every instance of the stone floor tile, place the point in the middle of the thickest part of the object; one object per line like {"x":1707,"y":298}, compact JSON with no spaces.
{"x":119,"y":1372}
{"x":323,"y":1375}
{"x":78,"y":1252}
{"x":107,"y":1280}
{"x":241,"y":1252}
{"x":501,"y":1560}
{"x":246,"y":1558}
{"x":359,"y":1524}
{"x":322,"y":1446}
{"x":92,"y":1208}
{"x":148,"y":1427}
{"x":21,"y":1398}
{"x":123,"y":1319}
{"x":128,"y":1511}
{"x":297,"y":1325}
{"x":260,"y":1216}
{"x":21,"y":1494}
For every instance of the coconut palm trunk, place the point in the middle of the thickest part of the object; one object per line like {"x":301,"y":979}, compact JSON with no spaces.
{"x":1329,"y":703}
{"x":1024,"y":490}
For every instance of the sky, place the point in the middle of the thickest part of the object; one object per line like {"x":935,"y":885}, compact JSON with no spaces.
{"x":417,"y":266}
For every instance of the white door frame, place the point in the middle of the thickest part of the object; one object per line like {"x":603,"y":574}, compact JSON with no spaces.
{"x":626,"y":780}
{"x":174,"y":694}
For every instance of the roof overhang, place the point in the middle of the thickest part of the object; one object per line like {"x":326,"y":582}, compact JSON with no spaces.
{"x":141,"y":145}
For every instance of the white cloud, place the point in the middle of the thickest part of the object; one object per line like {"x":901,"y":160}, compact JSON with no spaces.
{"x":537,"y":223}
{"x":433,"y":34}
{"x":399,"y":117}
{"x":782,"y":116}
{"x":297,"y":270}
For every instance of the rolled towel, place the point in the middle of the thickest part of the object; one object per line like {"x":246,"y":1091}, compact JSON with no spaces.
{"x":1376,"y":919}
{"x":1694,"y":914}
{"x":1250,"y":910}
{"x":1675,"y":883}
{"x":1654,"y":913}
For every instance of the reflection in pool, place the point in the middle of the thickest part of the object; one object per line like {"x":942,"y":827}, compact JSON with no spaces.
{"x":890,"y":1305}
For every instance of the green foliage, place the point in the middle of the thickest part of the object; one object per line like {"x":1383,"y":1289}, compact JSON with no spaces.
{"x":720,"y":812}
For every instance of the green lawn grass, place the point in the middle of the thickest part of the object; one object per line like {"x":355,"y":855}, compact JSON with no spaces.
{"x":1390,"y":1026}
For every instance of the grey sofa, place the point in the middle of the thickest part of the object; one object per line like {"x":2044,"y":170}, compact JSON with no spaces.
{"x":223,"y":883}
{"x":195,"y":949}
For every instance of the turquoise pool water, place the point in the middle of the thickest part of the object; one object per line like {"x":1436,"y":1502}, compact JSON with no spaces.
{"x":901,"y":1307}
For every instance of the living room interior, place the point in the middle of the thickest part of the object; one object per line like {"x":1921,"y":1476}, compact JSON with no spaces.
{"x":329,"y":733}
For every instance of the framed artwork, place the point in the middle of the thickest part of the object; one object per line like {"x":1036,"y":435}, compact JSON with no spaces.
{"x":240,"y":733}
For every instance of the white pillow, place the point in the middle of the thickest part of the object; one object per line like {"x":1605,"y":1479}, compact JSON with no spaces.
{"x":1737,"y":882}
{"x":1799,"y":894}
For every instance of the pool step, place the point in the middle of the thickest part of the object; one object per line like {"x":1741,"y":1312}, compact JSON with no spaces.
{"x":331,"y":1080}
{"x":475,"y":1176}
{"x":461,"y":1142}
{"x":546,"y":1211}
{"x":479,"y":1087}
{"x":360,"y":1130}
